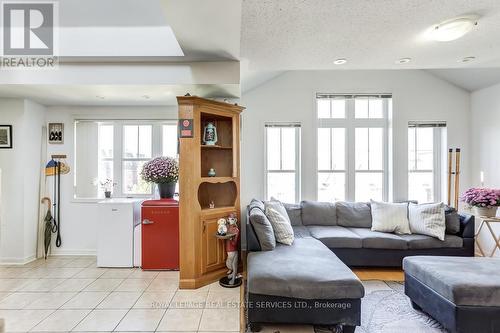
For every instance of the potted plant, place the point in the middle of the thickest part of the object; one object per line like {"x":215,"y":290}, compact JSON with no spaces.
{"x":163,"y":171}
{"x":484,"y":201}
{"x":107,"y":186}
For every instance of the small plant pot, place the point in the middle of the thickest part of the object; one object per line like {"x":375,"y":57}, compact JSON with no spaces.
{"x":486,"y":212}
{"x":107,"y":194}
{"x":166,"y":190}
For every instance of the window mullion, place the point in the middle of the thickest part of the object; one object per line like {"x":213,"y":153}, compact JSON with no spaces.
{"x":117,"y":156}
{"x":350,"y":151}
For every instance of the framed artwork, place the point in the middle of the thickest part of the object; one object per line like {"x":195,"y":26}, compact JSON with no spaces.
{"x":56,"y":132}
{"x":5,"y":136}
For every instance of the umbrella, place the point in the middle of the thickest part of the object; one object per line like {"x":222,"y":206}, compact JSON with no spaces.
{"x":50,"y":227}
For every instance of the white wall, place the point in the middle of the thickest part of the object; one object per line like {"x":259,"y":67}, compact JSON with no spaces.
{"x":20,"y":168}
{"x":485,"y":130}
{"x":417,"y":95}
{"x":79,"y":217}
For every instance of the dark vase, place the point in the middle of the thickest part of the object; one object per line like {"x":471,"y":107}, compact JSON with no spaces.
{"x":107,"y":194}
{"x":167,"y":190}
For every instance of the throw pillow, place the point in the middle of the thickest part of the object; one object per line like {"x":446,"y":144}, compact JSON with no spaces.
{"x":428,"y":219}
{"x":452,"y":220}
{"x":282,"y":228}
{"x":390,"y":217}
{"x":263,"y":229}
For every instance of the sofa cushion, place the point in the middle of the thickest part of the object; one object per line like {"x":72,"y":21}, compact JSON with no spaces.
{"x":452,"y":220}
{"x":469,"y":281}
{"x":294,"y":213}
{"x":336,"y":236}
{"x":262,"y":227}
{"x":379,"y":240}
{"x":300,"y":231}
{"x":306,"y":270}
{"x":318,"y":213}
{"x":354,"y":214}
{"x":417,"y":242}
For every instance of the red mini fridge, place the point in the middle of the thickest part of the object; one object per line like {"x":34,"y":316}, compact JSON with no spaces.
{"x":160,"y":234}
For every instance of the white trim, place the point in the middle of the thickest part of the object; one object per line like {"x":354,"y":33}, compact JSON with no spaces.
{"x":298,"y":157}
{"x":350,"y":123}
{"x":17,"y":261}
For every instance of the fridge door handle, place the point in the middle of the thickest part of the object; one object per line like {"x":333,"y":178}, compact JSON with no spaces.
{"x":146,"y":221}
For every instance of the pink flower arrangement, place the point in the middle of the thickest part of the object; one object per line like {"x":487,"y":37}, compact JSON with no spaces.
{"x":161,"y":170}
{"x":482,"y":197}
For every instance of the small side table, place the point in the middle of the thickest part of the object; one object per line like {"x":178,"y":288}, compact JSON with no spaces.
{"x":488,"y":221}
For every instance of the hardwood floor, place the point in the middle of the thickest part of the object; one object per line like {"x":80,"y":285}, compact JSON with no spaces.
{"x":384,"y":274}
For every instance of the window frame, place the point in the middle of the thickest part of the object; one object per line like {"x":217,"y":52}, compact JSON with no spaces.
{"x":298,"y":127}
{"x":437,"y":157}
{"x":350,"y":123}
{"x":118,"y":159}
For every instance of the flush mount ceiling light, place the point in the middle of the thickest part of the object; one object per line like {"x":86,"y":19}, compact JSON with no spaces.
{"x":403,"y":61}
{"x":468,"y":59}
{"x":340,"y":61}
{"x":453,"y":29}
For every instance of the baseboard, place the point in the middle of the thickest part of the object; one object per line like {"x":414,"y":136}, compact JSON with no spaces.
{"x":72,"y":252}
{"x":17,"y":261}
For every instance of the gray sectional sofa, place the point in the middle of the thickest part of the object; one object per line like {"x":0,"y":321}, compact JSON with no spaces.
{"x":314,"y":270}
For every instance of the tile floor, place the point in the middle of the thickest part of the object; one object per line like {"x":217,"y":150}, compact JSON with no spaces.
{"x":69,"y":294}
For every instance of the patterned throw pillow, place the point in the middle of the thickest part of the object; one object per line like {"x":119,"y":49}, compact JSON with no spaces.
{"x":428,"y":219}
{"x":281,"y":225}
{"x":390,"y":217}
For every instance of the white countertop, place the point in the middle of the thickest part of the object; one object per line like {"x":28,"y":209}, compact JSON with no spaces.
{"x":122,"y":200}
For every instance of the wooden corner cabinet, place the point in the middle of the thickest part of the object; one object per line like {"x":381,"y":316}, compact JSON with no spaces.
{"x":202,"y":255}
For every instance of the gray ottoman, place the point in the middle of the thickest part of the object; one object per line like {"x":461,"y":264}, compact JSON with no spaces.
{"x":462,"y":293}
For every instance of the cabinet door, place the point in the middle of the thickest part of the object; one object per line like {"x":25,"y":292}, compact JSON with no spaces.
{"x":213,"y":256}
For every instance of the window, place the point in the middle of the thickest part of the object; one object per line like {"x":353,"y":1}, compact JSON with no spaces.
{"x":283,"y":162}
{"x":352,"y":141}
{"x":425,"y":142}
{"x":117,"y":150}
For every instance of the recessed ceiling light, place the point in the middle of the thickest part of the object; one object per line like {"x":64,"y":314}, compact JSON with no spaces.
{"x":340,"y":61}
{"x":403,"y":61}
{"x":453,"y":29}
{"x":468,"y":59}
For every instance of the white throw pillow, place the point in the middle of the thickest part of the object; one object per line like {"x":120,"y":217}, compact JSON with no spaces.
{"x":428,"y":219}
{"x":390,"y":217}
{"x":282,"y":227}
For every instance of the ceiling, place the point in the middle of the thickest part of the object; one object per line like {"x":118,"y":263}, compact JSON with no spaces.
{"x":150,"y":95}
{"x":311,"y":34}
{"x":470,"y":79}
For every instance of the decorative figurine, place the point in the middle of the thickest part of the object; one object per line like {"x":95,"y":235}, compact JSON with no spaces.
{"x":233,"y":278}
{"x":221,"y":227}
{"x":211,"y":172}
{"x":211,"y":205}
{"x":210,"y":135}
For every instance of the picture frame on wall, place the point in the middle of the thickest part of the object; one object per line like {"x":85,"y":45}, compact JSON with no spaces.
{"x":55,"y":133}
{"x":5,"y":136}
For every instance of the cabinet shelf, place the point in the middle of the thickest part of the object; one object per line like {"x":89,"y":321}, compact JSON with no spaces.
{"x":215,"y":147}
{"x":217,"y":210}
{"x":215,"y":180}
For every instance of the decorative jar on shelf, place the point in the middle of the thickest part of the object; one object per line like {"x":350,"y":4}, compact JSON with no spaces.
{"x":211,"y":172}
